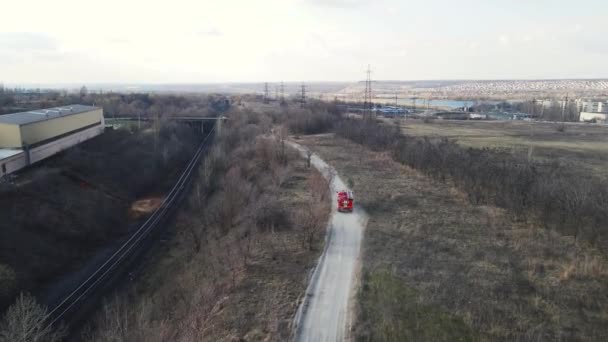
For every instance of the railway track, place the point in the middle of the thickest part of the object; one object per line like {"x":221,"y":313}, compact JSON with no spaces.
{"x":112,"y":265}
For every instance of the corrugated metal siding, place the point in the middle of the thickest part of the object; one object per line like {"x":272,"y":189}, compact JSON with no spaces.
{"x":10,"y":136}
{"x":43,"y":130}
{"x":56,"y":146}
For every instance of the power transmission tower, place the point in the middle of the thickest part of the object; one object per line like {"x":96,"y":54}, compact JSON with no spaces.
{"x":303,"y":95}
{"x":367,"y":102}
{"x":266,"y":94}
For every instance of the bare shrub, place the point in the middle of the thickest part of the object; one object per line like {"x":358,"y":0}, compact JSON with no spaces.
{"x":312,"y":217}
{"x":306,"y":121}
{"x":587,"y":266}
{"x":7,"y":281}
{"x":234,"y":195}
{"x":25,"y":320}
{"x":309,"y":154}
{"x":271,"y":214}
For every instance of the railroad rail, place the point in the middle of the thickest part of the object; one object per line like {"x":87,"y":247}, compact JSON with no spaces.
{"x":127,"y":249}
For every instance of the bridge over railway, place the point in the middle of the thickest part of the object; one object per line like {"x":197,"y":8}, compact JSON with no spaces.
{"x":206,"y":123}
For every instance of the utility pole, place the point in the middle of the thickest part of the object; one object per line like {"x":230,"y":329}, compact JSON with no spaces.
{"x":266,"y":95}
{"x":564,"y":108}
{"x":542,"y":109}
{"x":303,"y":95}
{"x":367,"y":102}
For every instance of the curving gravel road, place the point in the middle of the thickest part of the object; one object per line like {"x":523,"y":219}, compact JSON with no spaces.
{"x":324,"y":314}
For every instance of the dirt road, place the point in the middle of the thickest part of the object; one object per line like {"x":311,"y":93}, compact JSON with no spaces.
{"x":324,"y":315}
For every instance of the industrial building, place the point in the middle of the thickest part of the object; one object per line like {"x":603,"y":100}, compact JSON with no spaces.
{"x":592,"y":106}
{"x":28,"y":137}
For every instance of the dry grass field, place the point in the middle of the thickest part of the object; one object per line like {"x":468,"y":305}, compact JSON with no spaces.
{"x":436,"y":267}
{"x":580,"y":145}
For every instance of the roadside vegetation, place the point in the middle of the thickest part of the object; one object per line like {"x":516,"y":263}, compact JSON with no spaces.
{"x":468,"y":243}
{"x":236,"y":266}
{"x":460,"y":270}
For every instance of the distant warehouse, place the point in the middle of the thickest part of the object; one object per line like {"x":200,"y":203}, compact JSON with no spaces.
{"x":28,"y":137}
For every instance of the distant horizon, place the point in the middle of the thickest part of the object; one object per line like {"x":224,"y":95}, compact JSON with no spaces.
{"x":215,"y":83}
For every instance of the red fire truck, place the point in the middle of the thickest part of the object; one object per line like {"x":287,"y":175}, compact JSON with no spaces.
{"x":345,"y":201}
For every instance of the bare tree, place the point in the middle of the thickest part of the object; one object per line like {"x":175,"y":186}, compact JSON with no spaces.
{"x":312,"y":217}
{"x":282,"y":136}
{"x":25,"y":321}
{"x":309,"y":154}
{"x":7,"y":281}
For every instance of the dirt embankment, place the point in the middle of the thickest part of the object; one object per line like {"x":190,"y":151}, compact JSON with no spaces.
{"x":437,"y":268}
{"x":144,"y":206}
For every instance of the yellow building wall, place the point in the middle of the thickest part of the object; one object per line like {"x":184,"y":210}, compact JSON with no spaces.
{"x":43,"y":130}
{"x":10,"y":136}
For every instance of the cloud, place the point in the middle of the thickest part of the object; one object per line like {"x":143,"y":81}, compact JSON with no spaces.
{"x":504,"y":39}
{"x":346,"y":4}
{"x":212,"y":32}
{"x":16,"y":47}
{"x":19,"y":41}
{"x":118,"y":41}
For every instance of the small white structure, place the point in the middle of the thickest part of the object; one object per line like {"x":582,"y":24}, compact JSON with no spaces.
{"x":593,"y":117}
{"x":476,"y":116}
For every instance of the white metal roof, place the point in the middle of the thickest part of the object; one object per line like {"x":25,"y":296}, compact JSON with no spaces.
{"x":31,"y":116}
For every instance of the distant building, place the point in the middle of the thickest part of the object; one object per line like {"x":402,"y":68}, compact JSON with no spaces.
{"x":477,"y":116}
{"x":28,"y":137}
{"x":593,"y":106}
{"x":593,"y":117}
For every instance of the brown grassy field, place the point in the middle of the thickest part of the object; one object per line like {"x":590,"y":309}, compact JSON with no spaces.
{"x":436,"y":267}
{"x":584,"y":146}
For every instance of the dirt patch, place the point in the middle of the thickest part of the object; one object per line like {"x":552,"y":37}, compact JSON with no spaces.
{"x":461,"y":267}
{"x":144,"y":207}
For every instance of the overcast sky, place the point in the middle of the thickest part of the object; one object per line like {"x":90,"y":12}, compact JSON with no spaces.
{"x":200,"y":41}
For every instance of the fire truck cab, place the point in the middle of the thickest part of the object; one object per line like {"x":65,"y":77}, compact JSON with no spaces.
{"x":345,"y":201}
